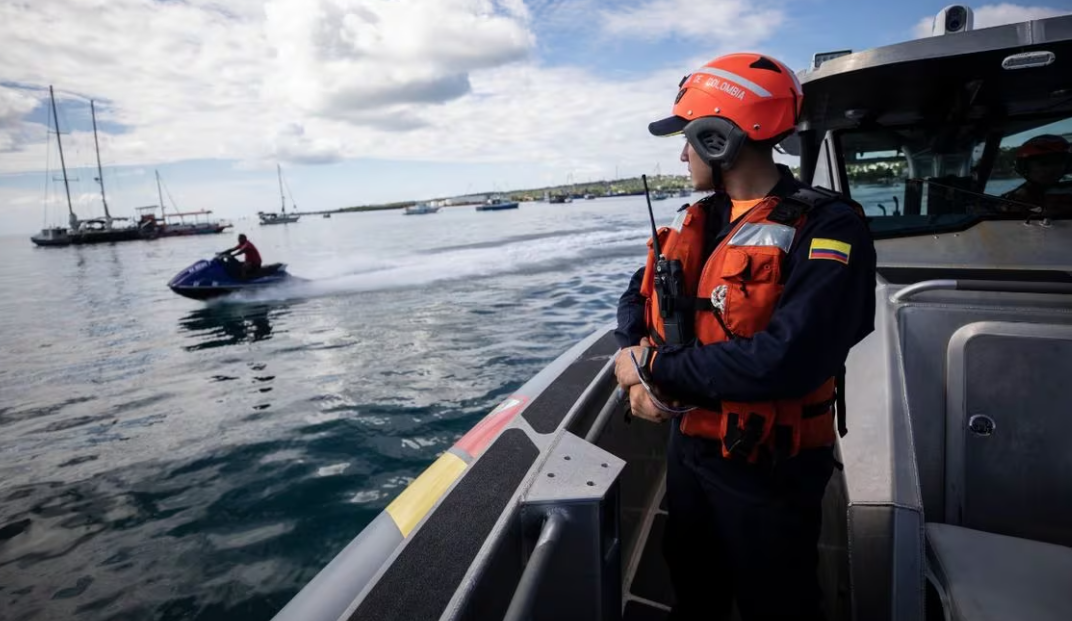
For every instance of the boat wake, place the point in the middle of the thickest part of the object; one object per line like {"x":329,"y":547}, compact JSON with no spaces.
{"x":362,"y":274}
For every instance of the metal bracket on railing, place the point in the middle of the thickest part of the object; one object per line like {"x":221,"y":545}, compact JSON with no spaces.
{"x":574,"y":567}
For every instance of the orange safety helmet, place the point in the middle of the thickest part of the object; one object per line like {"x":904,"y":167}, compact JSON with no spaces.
{"x":732,"y":99}
{"x":1044,"y":146}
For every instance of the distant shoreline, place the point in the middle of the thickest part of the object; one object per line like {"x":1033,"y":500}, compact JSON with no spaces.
{"x":599,"y":189}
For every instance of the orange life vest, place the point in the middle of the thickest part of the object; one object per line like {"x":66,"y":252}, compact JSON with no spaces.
{"x":735,"y":293}
{"x":1056,"y":201}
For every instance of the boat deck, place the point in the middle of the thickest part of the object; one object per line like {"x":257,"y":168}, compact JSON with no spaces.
{"x":646,"y":588}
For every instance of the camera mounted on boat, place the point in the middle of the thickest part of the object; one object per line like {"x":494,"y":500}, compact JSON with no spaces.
{"x":953,"y":18}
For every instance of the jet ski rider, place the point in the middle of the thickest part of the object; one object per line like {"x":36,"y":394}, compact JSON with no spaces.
{"x":252,"y":263}
{"x":762,"y":289}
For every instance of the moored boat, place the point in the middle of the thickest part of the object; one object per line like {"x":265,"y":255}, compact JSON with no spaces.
{"x":55,"y":236}
{"x":174,"y":224}
{"x":183,"y":229}
{"x":497,"y":203}
{"x":282,"y":217}
{"x":419,"y":209}
{"x":96,"y":230}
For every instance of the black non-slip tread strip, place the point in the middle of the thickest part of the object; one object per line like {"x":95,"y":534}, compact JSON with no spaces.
{"x":551,"y":406}
{"x":423,"y":578}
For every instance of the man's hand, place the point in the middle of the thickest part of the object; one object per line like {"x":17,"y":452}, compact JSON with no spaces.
{"x":642,"y":407}
{"x":623,"y":365}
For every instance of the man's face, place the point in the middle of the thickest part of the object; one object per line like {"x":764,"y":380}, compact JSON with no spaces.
{"x":702,"y":176}
{"x":1046,"y":170}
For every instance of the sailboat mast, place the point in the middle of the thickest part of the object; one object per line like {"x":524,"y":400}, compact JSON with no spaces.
{"x":100,"y":173}
{"x":282,"y":199}
{"x":66,"y":185}
{"x":159,"y":193}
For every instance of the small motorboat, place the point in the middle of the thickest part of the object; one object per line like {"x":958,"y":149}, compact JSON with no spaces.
{"x":222,"y":275}
{"x":497,"y":204}
{"x":419,"y":209}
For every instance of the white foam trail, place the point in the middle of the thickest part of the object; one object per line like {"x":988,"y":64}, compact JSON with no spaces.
{"x":369,"y":273}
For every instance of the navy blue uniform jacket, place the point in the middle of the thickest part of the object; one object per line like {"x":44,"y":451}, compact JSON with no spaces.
{"x":826,"y":307}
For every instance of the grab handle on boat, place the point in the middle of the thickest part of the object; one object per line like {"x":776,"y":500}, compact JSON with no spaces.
{"x":1000,"y":286}
{"x":550,"y":534}
{"x":614,"y":402}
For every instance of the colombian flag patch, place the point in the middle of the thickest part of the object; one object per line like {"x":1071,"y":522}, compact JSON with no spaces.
{"x":830,"y":249}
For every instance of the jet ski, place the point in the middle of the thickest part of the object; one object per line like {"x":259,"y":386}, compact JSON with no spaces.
{"x":222,"y":275}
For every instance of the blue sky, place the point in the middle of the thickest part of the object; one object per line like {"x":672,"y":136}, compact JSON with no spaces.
{"x":366,"y":101}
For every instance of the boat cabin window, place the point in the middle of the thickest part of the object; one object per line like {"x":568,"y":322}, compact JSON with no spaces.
{"x":1004,"y":176}
{"x":918,"y":180}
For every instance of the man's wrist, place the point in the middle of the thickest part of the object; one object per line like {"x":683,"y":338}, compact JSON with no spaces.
{"x":647,"y":356}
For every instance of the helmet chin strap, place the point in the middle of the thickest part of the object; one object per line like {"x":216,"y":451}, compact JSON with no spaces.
{"x":718,"y":180}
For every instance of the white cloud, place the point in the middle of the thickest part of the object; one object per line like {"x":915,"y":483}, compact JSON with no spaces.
{"x":995,"y":15}
{"x":311,"y":81}
{"x":741,"y":22}
{"x":191,"y":80}
{"x":318,"y":81}
{"x":291,"y":144}
{"x":14,"y":105}
{"x":564,"y":15}
{"x":517,"y":8}
{"x":339,"y":56}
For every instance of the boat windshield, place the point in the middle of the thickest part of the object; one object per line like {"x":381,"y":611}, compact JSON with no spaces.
{"x":921,"y":180}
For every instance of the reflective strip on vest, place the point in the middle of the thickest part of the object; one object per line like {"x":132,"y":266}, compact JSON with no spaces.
{"x":753,"y":234}
{"x":679,"y":220}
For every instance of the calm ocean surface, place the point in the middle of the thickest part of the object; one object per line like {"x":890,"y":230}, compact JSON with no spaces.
{"x":162,"y":458}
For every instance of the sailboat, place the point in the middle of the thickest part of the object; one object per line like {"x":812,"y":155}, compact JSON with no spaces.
{"x":283,"y":217}
{"x":95,"y":230}
{"x":182,"y":227}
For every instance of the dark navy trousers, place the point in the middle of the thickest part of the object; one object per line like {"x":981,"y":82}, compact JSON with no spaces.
{"x":744,"y":533}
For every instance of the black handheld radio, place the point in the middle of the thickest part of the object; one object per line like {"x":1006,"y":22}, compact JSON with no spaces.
{"x":669,"y":288}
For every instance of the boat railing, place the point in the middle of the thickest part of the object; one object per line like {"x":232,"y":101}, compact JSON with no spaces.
{"x":612,"y":405}
{"x":995,"y":286}
{"x":570,"y":517}
{"x":552,"y":550}
{"x":550,"y":535}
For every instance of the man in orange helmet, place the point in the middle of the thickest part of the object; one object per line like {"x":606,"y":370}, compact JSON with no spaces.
{"x":761,"y":290}
{"x":1043,"y":161}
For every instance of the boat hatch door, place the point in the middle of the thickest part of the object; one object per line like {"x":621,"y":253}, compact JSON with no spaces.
{"x":1009,"y":417}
